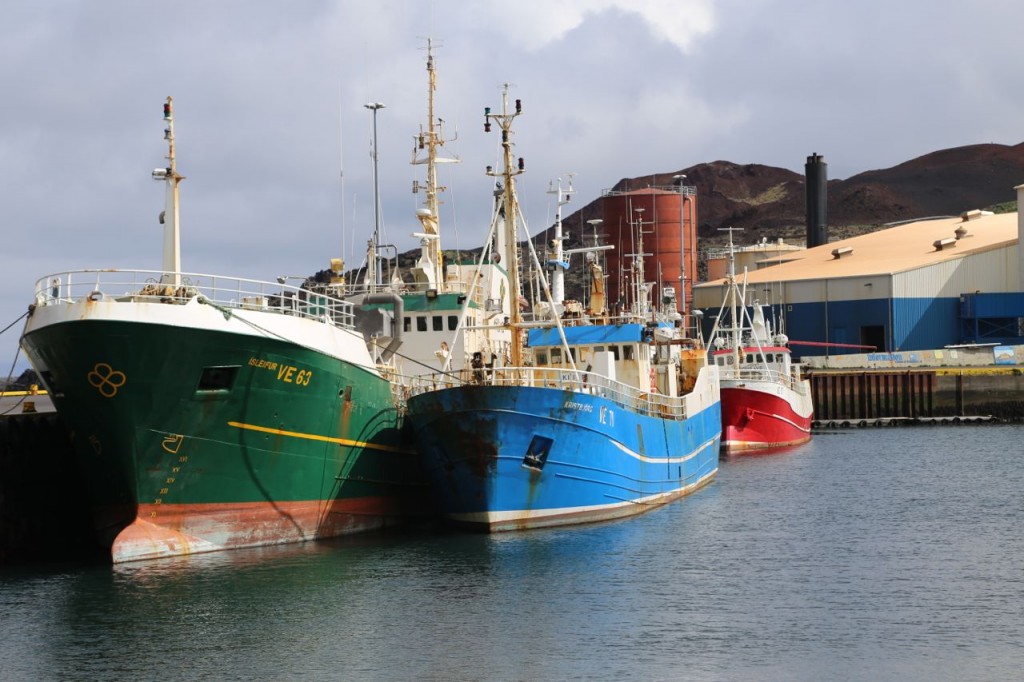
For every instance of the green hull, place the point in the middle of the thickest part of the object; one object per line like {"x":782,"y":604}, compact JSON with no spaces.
{"x":194,"y":439}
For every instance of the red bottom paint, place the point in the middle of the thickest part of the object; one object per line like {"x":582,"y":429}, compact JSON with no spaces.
{"x":173,"y":530}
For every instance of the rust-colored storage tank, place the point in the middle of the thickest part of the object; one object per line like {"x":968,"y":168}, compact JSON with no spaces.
{"x":668,"y":217}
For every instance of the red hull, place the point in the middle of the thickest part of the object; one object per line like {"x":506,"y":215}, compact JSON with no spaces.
{"x":763,"y":415}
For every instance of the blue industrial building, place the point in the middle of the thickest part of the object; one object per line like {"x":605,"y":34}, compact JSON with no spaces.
{"x":922,"y":285}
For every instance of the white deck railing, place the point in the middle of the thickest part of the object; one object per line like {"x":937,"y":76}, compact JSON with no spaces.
{"x":790,"y":380}
{"x":151,"y":286}
{"x":627,"y":396}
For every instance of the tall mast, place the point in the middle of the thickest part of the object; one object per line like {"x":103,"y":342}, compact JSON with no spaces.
{"x":373,"y":273}
{"x":557,"y":261}
{"x":733,"y":289}
{"x":641,"y":296}
{"x":172,"y":228}
{"x":511,"y":210}
{"x":429,"y":268}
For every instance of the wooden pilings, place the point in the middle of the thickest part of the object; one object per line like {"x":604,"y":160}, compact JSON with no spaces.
{"x":873,"y":395}
{"x":926,"y":393}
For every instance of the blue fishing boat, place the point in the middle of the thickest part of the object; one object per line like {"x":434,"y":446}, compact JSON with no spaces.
{"x":590,"y":417}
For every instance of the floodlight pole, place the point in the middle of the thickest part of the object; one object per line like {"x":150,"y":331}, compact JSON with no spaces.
{"x":375,"y":245}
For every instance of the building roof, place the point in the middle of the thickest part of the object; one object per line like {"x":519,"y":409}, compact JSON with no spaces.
{"x":587,"y":335}
{"x":895,"y":250}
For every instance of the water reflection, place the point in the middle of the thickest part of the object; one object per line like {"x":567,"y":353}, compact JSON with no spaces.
{"x":861,"y":555}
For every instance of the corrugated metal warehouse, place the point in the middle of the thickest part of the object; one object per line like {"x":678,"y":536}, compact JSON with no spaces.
{"x":922,"y":285}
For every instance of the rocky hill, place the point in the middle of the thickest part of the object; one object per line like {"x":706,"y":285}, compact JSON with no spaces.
{"x":770,"y":202}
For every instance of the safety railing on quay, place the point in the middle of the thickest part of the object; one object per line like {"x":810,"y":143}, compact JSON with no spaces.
{"x":228,"y":292}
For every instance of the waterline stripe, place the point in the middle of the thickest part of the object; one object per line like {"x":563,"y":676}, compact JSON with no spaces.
{"x":314,"y":436}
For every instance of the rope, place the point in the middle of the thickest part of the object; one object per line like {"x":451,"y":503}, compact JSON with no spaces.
{"x":227,"y":312}
{"x":10,"y":372}
{"x":24,"y":314}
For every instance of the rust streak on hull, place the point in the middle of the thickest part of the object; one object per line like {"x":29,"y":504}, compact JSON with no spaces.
{"x":175,"y":530}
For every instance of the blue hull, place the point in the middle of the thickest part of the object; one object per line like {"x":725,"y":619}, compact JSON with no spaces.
{"x":515,"y":457}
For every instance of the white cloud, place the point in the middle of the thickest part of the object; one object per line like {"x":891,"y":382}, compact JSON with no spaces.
{"x":534,"y":24}
{"x":612,"y":88}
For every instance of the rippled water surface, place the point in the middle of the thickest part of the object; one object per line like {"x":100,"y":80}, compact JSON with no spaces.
{"x":866,"y":554}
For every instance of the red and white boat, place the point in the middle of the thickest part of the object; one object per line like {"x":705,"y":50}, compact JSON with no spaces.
{"x":766,"y":403}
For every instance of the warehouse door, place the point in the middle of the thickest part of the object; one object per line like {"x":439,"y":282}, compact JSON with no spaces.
{"x":873,"y":335}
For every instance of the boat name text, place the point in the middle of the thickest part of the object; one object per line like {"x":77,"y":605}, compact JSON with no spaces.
{"x":572,"y":405}
{"x":286,"y":373}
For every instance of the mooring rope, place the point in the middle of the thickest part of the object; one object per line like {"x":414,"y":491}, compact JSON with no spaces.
{"x":10,"y":372}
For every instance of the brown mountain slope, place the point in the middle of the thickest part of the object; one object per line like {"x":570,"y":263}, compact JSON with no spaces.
{"x":946,"y":182}
{"x":769,"y":202}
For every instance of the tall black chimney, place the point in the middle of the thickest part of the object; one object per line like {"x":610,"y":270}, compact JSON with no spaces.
{"x":816,"y":171}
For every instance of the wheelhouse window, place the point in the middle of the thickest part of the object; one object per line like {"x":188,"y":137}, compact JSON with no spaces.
{"x":453,"y":322}
{"x":421,"y":323}
{"x":438,"y":323}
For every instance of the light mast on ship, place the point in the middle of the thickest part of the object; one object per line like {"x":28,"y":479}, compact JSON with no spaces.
{"x":558,"y":262}
{"x":511,"y":210}
{"x":428,"y":271}
{"x":169,"y":217}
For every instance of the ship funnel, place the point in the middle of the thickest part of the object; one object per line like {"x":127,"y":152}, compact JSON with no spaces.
{"x":816,"y":172}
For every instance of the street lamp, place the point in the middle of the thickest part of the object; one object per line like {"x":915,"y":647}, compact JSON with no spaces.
{"x":681,"y":182}
{"x":374,"y":107}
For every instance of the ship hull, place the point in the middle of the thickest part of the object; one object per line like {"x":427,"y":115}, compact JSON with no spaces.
{"x":514,"y":457}
{"x":758,"y":416}
{"x":197,"y":431}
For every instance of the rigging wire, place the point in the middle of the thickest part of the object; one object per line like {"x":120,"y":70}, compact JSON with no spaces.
{"x":229,"y":312}
{"x":10,"y":372}
{"x":24,"y":314}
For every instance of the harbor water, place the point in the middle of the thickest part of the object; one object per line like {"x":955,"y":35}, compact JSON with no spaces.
{"x":886,"y":553}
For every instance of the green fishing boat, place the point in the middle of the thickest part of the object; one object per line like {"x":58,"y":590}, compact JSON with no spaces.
{"x":214,"y":412}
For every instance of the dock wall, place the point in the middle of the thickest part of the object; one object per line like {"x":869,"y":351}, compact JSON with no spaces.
{"x":917,"y":393}
{"x":44,"y":514}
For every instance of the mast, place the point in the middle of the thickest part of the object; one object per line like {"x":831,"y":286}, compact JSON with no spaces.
{"x":597,"y":306}
{"x":172,"y":227}
{"x":736,"y":327}
{"x":558,"y":262}
{"x":373,"y":269}
{"x":428,"y":270}
{"x":511,"y":210}
{"x":641,"y":291}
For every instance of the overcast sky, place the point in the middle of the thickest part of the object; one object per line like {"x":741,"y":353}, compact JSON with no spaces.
{"x":275,"y":141}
